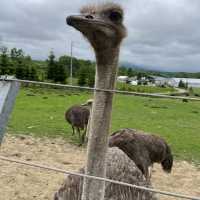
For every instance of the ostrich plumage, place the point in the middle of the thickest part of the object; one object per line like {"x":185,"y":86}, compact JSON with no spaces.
{"x":119,"y":167}
{"x":143,"y":149}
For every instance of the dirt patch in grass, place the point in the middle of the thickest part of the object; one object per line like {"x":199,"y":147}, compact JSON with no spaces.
{"x":19,"y":182}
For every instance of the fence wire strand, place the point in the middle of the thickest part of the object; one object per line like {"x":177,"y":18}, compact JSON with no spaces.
{"x":30,"y":164}
{"x":102,"y":90}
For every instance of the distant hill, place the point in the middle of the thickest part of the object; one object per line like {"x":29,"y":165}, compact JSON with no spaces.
{"x":142,"y":69}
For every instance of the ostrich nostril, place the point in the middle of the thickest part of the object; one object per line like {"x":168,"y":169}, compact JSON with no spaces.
{"x":69,"y":20}
{"x":89,"y":17}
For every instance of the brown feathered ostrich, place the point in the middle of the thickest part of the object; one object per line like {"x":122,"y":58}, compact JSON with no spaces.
{"x":78,"y":117}
{"x":143,"y":149}
{"x":103,"y":27}
{"x":119,"y":167}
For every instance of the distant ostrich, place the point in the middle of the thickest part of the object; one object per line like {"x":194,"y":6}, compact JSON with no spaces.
{"x":119,"y":167}
{"x":103,"y":26}
{"x":78,"y":116}
{"x":143,"y":149}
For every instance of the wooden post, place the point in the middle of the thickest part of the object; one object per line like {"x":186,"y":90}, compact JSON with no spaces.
{"x":8,"y":92}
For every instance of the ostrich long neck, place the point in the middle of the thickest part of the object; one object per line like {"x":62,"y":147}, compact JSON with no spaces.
{"x":106,"y":71}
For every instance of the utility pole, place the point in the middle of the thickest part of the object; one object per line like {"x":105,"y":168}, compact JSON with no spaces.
{"x":71,"y":64}
{"x":1,"y":42}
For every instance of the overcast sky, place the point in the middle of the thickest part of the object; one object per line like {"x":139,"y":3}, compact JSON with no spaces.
{"x":162,"y":34}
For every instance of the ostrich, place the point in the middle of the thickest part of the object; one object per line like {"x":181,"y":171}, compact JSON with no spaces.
{"x":143,"y":149}
{"x":78,"y":117}
{"x":119,"y":167}
{"x":103,"y":27}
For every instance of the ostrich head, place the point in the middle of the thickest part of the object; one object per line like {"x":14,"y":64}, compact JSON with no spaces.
{"x":102,"y":25}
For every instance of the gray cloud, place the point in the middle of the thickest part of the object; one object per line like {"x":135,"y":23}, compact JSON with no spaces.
{"x":162,"y":35}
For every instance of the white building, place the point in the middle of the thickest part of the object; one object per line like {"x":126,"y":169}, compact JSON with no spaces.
{"x":192,"y":82}
{"x":174,"y":82}
{"x":122,"y":79}
{"x":159,"y":81}
{"x":134,"y":82}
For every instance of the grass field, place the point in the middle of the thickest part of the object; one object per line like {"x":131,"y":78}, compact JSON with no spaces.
{"x":40,"y":112}
{"x":196,"y":91}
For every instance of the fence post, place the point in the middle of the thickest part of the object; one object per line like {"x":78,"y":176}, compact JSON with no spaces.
{"x":8,"y":92}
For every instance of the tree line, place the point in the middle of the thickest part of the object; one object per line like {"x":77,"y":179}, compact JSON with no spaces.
{"x":15,"y":62}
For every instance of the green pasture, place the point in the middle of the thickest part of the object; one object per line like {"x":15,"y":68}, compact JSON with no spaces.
{"x":40,"y":112}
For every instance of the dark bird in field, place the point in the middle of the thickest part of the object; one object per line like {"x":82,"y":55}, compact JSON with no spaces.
{"x":119,"y":167}
{"x":78,"y":116}
{"x":143,"y":149}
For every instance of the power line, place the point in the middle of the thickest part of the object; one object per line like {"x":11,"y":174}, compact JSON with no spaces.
{"x":102,"y":90}
{"x":98,"y":178}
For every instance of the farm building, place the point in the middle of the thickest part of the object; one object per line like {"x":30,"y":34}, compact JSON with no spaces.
{"x":159,"y":81}
{"x":122,"y":79}
{"x":134,"y":82}
{"x":192,"y":82}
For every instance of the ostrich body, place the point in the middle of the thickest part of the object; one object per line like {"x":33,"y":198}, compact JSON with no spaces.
{"x":143,"y":149}
{"x":78,"y":117}
{"x":102,"y":26}
{"x":119,"y":167}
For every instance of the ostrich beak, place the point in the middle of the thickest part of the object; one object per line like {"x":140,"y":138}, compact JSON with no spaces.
{"x":74,"y":20}
{"x":82,"y":23}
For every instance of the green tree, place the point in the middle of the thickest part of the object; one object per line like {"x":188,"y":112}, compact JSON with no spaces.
{"x":4,"y":61}
{"x":17,"y":58}
{"x":91,"y":76}
{"x":33,"y":74}
{"x":65,"y":62}
{"x":182,"y":84}
{"x":130,"y":72}
{"x":21,"y":71}
{"x":139,"y":76}
{"x":16,"y":54}
{"x":51,"y":66}
{"x":60,"y":74}
{"x":122,"y":71}
{"x":82,"y":76}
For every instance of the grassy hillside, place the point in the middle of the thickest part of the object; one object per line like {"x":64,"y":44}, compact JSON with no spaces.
{"x":40,"y":112}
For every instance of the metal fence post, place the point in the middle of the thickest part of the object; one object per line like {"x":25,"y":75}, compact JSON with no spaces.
{"x":8,"y":92}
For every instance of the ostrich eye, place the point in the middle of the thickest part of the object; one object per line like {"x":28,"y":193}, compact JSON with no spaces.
{"x":115,"y":16}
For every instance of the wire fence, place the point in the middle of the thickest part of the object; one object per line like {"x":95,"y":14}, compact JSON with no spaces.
{"x":30,"y":164}
{"x":44,"y":167}
{"x":102,"y":90}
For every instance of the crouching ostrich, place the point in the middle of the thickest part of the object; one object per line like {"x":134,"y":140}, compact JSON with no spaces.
{"x":143,"y":149}
{"x":78,"y":116}
{"x":119,"y":167}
